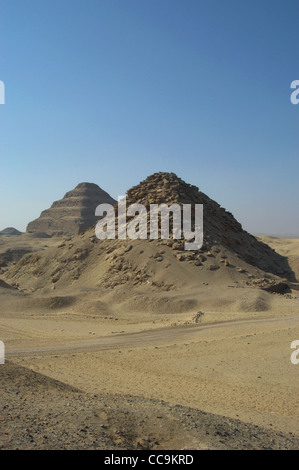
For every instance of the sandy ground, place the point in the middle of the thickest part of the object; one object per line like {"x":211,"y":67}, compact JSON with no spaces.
{"x":41,"y":413}
{"x":223,"y":379}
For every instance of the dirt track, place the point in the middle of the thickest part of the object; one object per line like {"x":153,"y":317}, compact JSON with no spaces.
{"x":158,"y":336}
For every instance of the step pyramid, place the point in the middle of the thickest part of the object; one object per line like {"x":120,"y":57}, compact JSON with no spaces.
{"x":72,"y":214}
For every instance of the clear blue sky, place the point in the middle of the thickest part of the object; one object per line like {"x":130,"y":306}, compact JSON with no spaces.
{"x":110,"y":91}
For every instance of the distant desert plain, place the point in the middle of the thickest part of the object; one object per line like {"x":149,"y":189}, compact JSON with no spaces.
{"x":138,"y":344}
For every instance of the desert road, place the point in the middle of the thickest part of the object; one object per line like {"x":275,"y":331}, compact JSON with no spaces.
{"x":166,"y":335}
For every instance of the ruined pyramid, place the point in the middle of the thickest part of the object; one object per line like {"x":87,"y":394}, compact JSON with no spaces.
{"x":222,"y":232}
{"x":72,"y":214}
{"x":228,"y":254}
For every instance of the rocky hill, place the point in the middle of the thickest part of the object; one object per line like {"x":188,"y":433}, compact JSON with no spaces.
{"x":222,"y":231}
{"x":229,"y":254}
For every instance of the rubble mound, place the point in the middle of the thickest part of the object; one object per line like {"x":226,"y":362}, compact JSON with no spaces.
{"x":222,"y":232}
{"x":229,"y":254}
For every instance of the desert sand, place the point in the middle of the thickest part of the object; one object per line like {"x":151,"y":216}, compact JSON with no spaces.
{"x":133,"y":345}
{"x":231,"y":361}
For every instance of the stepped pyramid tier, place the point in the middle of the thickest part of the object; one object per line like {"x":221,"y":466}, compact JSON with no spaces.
{"x":73,"y":214}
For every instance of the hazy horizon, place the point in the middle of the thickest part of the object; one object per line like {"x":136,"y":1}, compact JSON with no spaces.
{"x":277,"y":234}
